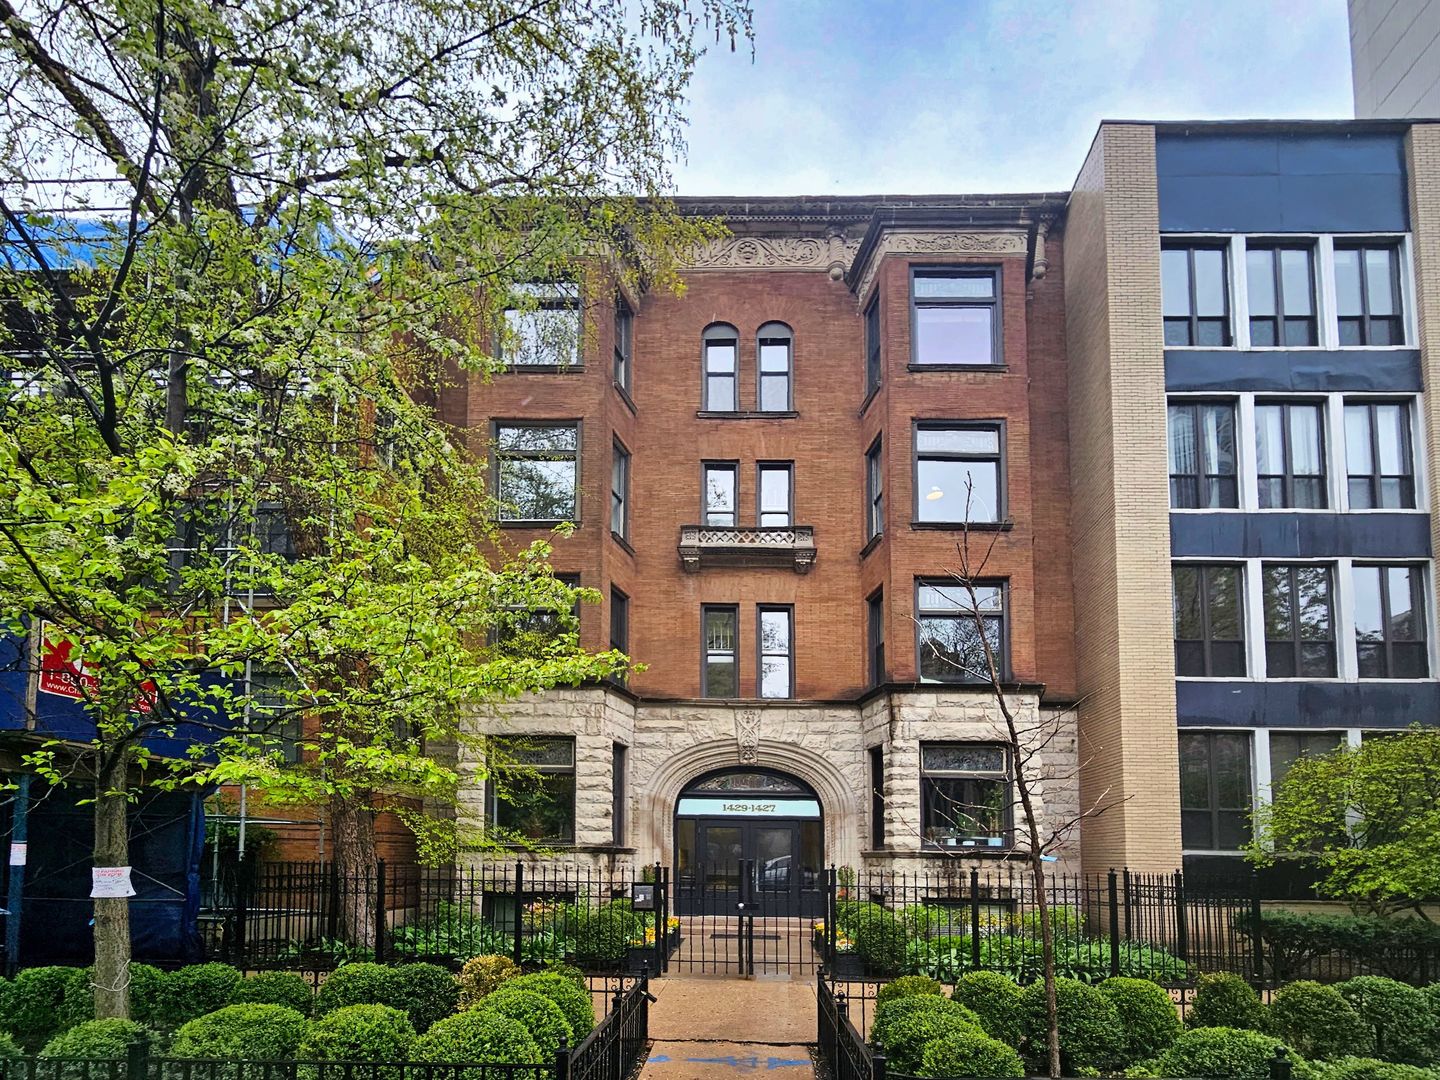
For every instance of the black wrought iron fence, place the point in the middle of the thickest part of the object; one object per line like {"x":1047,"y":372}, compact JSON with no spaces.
{"x":841,"y":1047}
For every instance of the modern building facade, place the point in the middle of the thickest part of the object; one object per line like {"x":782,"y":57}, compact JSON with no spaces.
{"x":1395,"y":57}
{"x":1172,"y":425}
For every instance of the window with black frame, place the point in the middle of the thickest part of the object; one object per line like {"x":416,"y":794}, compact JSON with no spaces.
{"x":1390,"y":618}
{"x":949,"y":627}
{"x":624,"y":336}
{"x":720,"y":348}
{"x":774,"y":347}
{"x":1290,"y":455}
{"x":530,"y":795}
{"x":872,"y":344}
{"x":620,"y":491}
{"x":1209,"y":620}
{"x":1288,"y":747}
{"x":776,"y":629}
{"x":877,"y":797}
{"x":276,"y":710}
{"x":1216,"y":793}
{"x":874,"y":491}
{"x":875,"y":636}
{"x":958,"y":473}
{"x":1202,"y":455}
{"x":1299,"y":621}
{"x":544,"y":330}
{"x":1280,"y":286}
{"x":1379,"y":457}
{"x":720,"y":641}
{"x":955,"y":315}
{"x":1195,"y":294}
{"x":964,"y":795}
{"x":720,"y":479}
{"x":537,"y":471}
{"x":1367,"y":294}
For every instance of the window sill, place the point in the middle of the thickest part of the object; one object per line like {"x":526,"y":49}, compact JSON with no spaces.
{"x":958,"y":367}
{"x":871,"y":544}
{"x":927,"y":848}
{"x":961,"y":526}
{"x":621,"y":541}
{"x":707,"y":414}
{"x":870,"y":396}
{"x":626,"y":398}
{"x":537,"y":523}
{"x":542,"y":369}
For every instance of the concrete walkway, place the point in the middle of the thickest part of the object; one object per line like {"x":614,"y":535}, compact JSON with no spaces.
{"x":708,"y":1028}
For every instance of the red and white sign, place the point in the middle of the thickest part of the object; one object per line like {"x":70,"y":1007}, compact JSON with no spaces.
{"x":63,"y":673}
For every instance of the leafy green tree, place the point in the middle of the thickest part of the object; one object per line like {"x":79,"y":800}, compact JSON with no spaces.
{"x":1365,"y":817}
{"x":285,"y":228}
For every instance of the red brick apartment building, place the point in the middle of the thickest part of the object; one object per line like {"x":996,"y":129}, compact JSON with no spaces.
{"x":772,"y":476}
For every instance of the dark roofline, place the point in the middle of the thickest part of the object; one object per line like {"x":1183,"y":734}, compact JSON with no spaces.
{"x":1389,"y":126}
{"x":861,"y":208}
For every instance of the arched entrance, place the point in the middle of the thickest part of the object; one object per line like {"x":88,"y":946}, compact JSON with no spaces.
{"x":749,"y":840}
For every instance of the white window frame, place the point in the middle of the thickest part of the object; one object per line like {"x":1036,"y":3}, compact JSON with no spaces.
{"x":1326,"y":321}
{"x":1336,"y":473}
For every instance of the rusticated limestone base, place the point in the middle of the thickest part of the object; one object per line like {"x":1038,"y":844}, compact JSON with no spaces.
{"x":672,"y":743}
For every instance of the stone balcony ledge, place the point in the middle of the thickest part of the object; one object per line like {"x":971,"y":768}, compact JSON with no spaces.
{"x":790,"y":546}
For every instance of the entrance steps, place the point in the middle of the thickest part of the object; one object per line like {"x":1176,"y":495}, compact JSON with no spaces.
{"x":714,"y":1028}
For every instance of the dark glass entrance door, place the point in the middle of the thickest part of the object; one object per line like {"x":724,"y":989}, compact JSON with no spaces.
{"x":772,"y":865}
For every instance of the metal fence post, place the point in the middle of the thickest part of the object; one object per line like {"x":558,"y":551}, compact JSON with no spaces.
{"x":242,"y":889}
{"x":381,"y":915}
{"x":137,"y":1060}
{"x":519,"y":942}
{"x":333,"y":918}
{"x":663,"y":874}
{"x":830,"y":908}
{"x":662,"y":932}
{"x":1256,"y":930}
{"x":562,"y":1062}
{"x":1182,"y":928}
{"x":877,"y":1066}
{"x":1280,"y":1067}
{"x":975,"y":918}
{"x":1113,"y":895}
{"x":1129,"y":902}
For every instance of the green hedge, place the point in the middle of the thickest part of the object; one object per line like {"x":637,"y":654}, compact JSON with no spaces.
{"x":9,"y":1048}
{"x":1318,"y":1022}
{"x":251,"y":1032}
{"x":1221,"y":1053}
{"x":96,"y":1040}
{"x":908,"y":986}
{"x":996,"y":1000}
{"x":1362,"y":1068}
{"x":477,"y":1036}
{"x":969,"y":1053}
{"x":536,"y":1013}
{"x":903,"y":1026}
{"x":1090,"y":1033}
{"x":33,"y":1008}
{"x":1020,"y":958}
{"x":196,"y":990}
{"x":572,"y":999}
{"x":1223,"y":1000}
{"x":482,"y":974}
{"x":275,"y":988}
{"x":1147,"y":1017}
{"x":1384,"y":945}
{"x":367,"y":1033}
{"x":426,"y":991}
{"x":1402,"y":1024}
{"x":355,"y":984}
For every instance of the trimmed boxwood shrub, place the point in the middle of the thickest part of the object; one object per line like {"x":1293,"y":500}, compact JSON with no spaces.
{"x":9,"y":1048}
{"x":880,"y":941}
{"x":540,"y":1016}
{"x":907,"y":986}
{"x":1147,"y":1016}
{"x":574,"y":1001}
{"x":1402,"y":1024}
{"x":275,"y":988}
{"x":995,"y":1000}
{"x":479,"y":1037}
{"x":1225,"y":1000}
{"x":96,"y":1040}
{"x":426,"y":991}
{"x":1090,"y":1033}
{"x":903,"y":1026}
{"x":33,"y":1005}
{"x":568,"y":971}
{"x":602,"y":934}
{"x":149,"y":987}
{"x":359,"y":1033}
{"x":482,"y":974}
{"x":196,"y":990}
{"x":77,"y":999}
{"x":968,"y":1053}
{"x":242,"y":1032}
{"x":1317,"y":1022}
{"x":355,"y":984}
{"x":1221,"y":1053}
{"x":1363,"y":1068}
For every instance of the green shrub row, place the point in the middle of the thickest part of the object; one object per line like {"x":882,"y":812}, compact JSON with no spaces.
{"x":1369,"y":1028}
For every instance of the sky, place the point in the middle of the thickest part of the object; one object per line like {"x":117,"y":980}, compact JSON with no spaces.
{"x":849,"y":97}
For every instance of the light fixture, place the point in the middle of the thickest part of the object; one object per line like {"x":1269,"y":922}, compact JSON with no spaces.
{"x":933,"y":494}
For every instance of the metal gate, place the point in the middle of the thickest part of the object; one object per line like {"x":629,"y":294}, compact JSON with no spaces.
{"x":747,"y":917}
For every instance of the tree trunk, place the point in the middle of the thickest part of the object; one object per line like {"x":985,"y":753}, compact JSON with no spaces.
{"x":111,"y":974}
{"x":355,"y":860}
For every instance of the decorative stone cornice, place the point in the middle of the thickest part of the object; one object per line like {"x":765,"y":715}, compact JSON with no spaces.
{"x":935,"y":242}
{"x":774,"y":253}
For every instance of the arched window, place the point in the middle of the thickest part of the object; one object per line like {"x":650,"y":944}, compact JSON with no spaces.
{"x":774,"y":342}
{"x":720,"y":346}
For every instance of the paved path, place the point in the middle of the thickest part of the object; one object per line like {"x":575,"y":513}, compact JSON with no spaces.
{"x":723,"y":1029}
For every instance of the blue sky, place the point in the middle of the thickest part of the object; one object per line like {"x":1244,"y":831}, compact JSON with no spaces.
{"x":854,"y":97}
